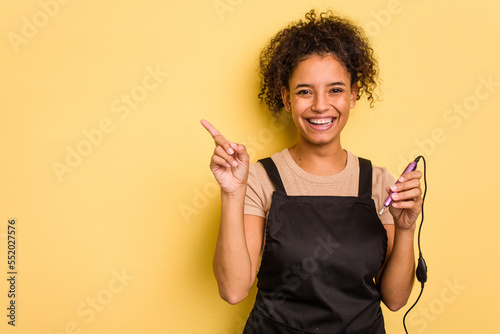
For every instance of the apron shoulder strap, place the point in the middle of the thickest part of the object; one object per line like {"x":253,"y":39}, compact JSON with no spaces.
{"x":273,"y":173}
{"x":365,"y":178}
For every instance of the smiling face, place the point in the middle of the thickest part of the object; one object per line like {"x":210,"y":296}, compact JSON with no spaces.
{"x":319,"y":97}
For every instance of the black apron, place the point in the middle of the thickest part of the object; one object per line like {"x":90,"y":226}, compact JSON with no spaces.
{"x":320,"y":258}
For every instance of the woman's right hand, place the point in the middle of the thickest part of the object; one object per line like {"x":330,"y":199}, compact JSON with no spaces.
{"x":229,"y":163}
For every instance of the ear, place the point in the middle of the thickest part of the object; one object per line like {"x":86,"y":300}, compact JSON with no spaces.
{"x":354,"y":95}
{"x":285,"y":97}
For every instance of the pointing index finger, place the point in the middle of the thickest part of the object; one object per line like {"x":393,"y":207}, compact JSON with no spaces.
{"x":214,"y":132}
{"x":210,"y":128}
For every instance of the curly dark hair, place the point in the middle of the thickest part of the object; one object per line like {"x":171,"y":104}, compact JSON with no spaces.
{"x":320,"y":34}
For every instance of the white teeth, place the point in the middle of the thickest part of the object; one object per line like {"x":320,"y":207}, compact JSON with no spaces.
{"x":321,"y":121}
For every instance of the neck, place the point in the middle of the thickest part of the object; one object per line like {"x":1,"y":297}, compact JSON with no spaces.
{"x":319,"y":159}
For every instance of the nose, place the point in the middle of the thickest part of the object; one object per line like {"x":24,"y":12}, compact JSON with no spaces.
{"x":320,"y":103}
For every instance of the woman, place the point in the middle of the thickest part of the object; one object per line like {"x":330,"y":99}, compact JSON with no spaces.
{"x":310,"y":211}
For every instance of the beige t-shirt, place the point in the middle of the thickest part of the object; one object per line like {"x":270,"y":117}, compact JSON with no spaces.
{"x":298,"y":182}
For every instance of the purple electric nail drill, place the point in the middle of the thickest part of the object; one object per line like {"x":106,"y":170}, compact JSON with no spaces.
{"x":410,"y":168}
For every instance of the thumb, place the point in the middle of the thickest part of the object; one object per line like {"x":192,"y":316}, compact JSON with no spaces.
{"x":241,"y":150}
{"x":388,"y":190}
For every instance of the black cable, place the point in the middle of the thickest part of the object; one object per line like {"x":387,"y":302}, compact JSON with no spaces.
{"x":421,"y":267}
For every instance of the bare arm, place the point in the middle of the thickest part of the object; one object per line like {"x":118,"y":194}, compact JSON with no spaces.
{"x":396,"y":278}
{"x":240,"y":236}
{"x":237,"y":255}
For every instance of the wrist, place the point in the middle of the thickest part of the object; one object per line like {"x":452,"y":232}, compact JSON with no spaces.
{"x":405,"y":231}
{"x":235,"y":194}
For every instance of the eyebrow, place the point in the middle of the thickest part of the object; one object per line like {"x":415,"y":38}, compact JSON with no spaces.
{"x":338,"y":83}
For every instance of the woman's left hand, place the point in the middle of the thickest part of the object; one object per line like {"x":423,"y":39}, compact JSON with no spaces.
{"x":406,"y":200}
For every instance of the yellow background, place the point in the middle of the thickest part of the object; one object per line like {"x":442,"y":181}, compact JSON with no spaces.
{"x":142,"y":203}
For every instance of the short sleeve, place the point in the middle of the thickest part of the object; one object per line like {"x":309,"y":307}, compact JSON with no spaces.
{"x":254,"y":204}
{"x":381,"y":180}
